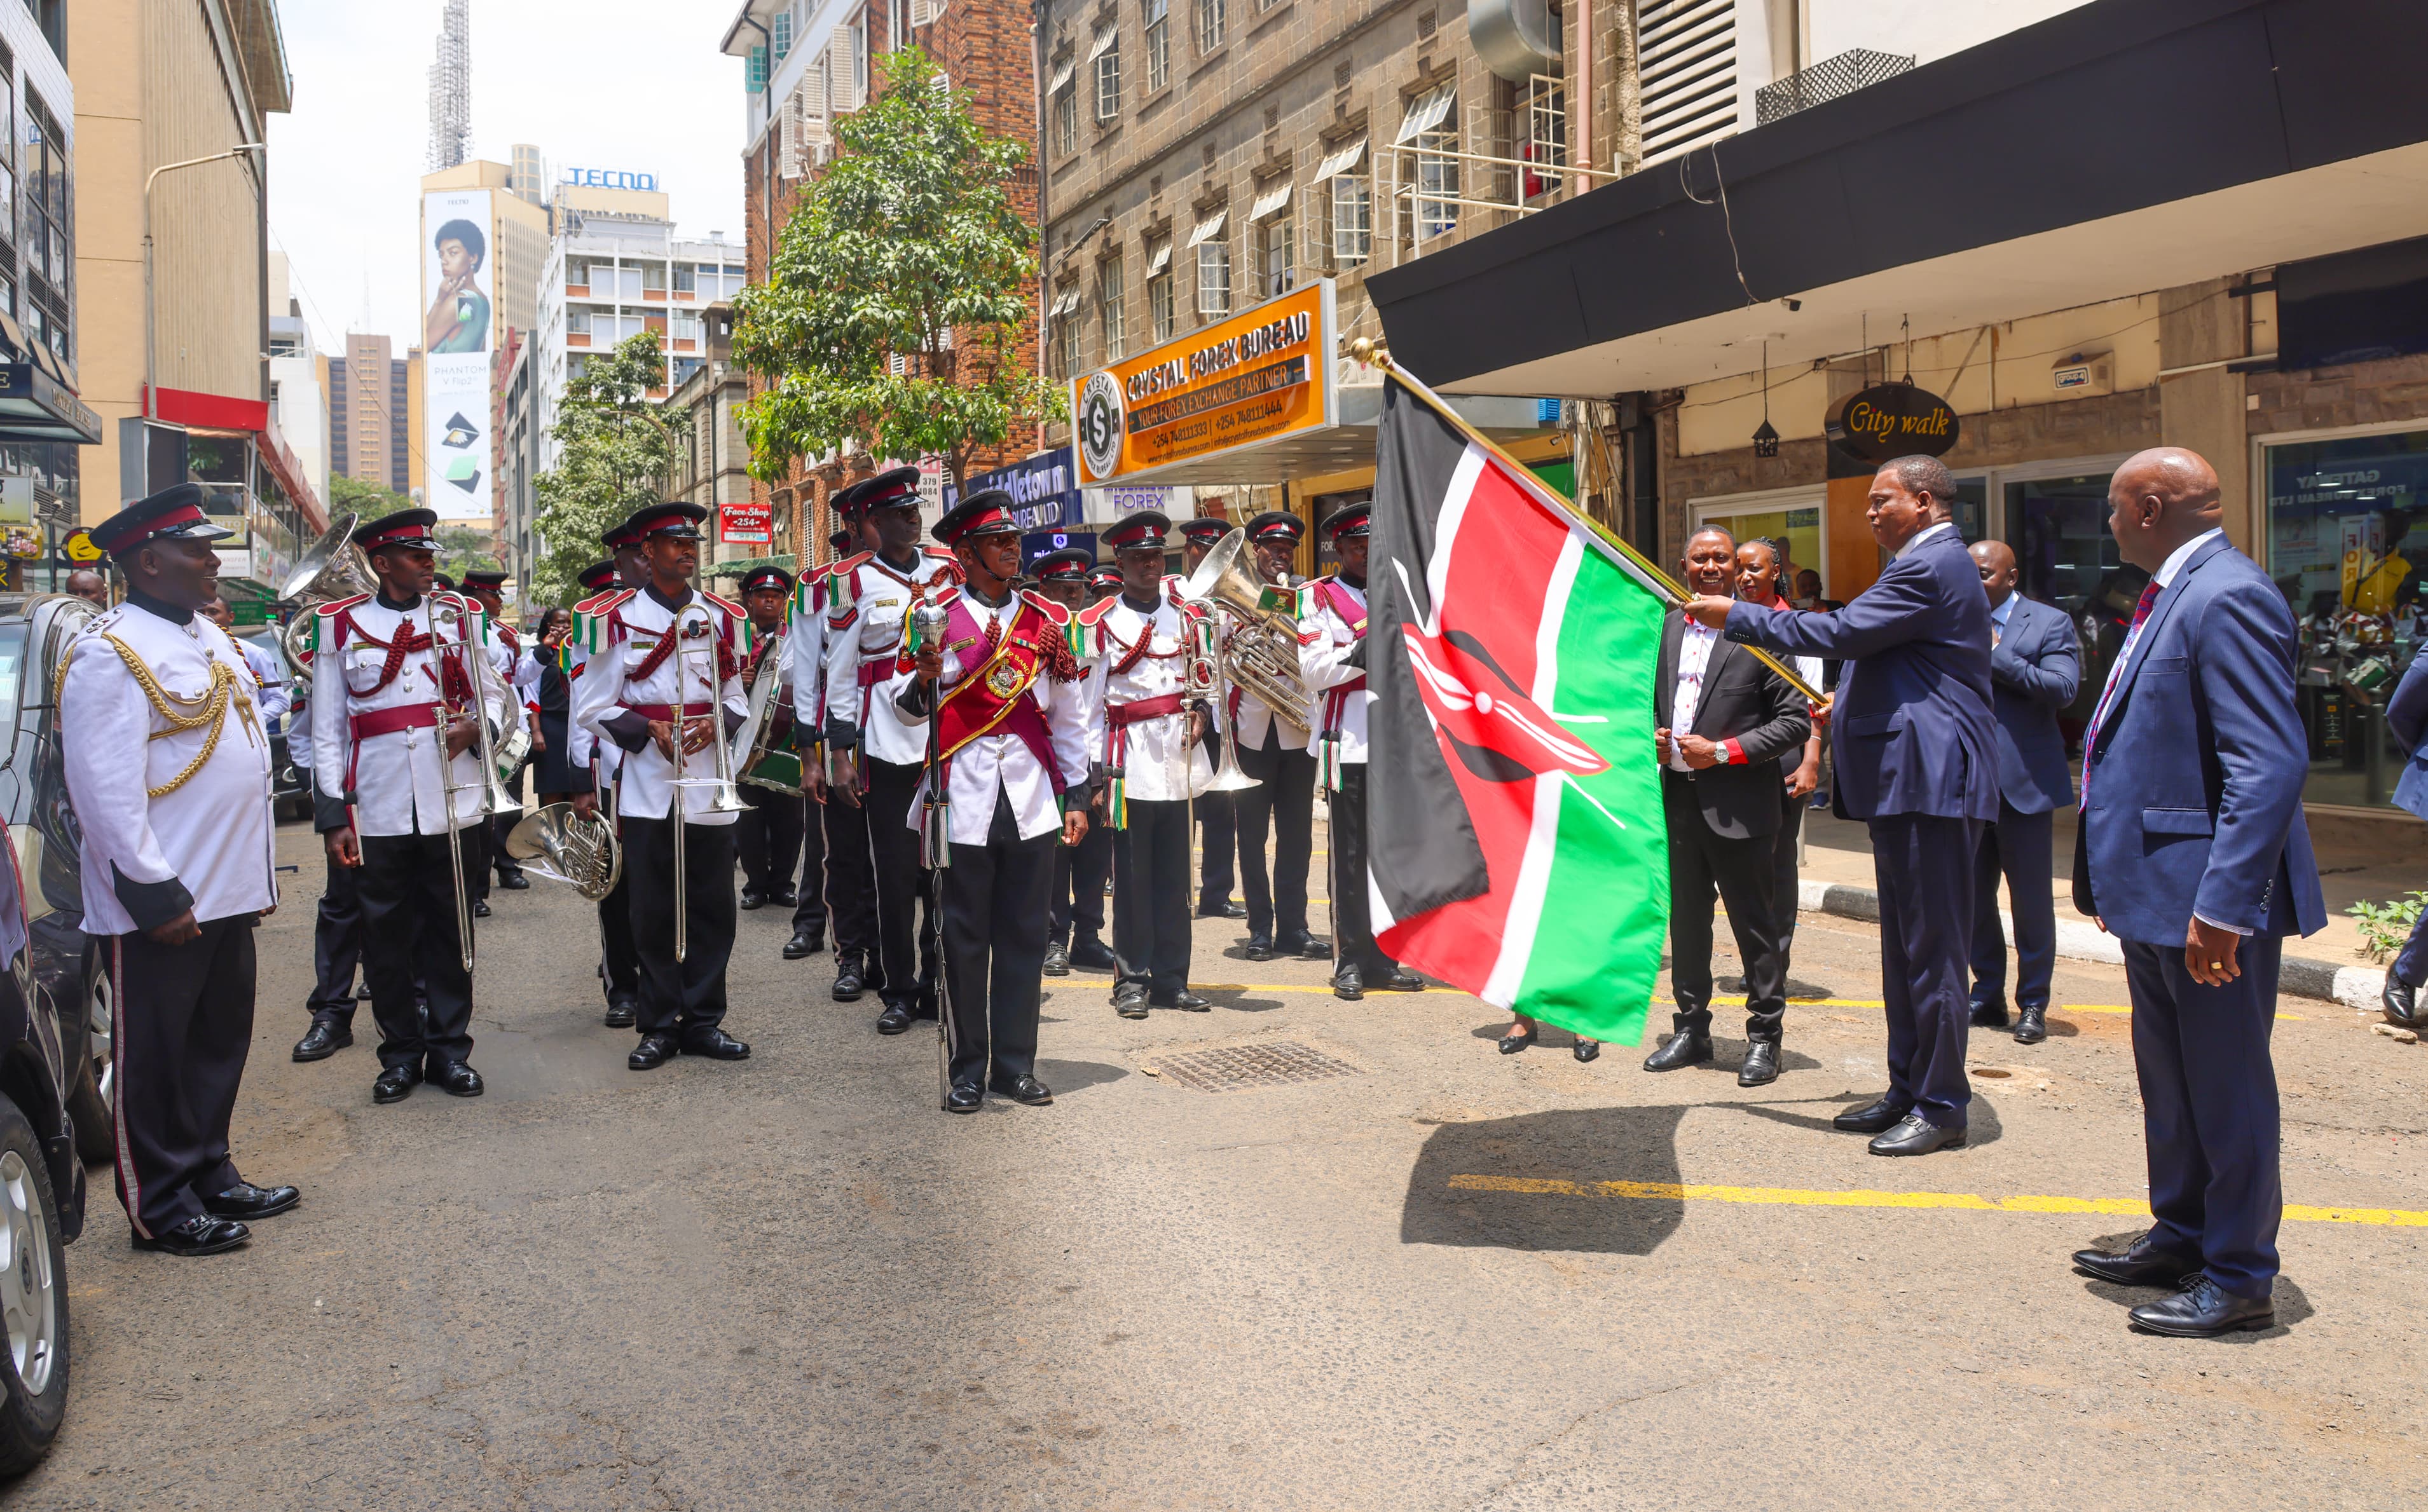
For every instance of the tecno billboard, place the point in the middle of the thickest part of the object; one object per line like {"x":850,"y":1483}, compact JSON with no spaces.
{"x":458,"y":326}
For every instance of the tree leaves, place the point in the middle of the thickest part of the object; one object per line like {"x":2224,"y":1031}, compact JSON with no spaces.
{"x":898,"y":287}
{"x":614,"y":455}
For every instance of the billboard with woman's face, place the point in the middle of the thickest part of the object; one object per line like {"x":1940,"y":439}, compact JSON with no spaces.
{"x":458,"y":328}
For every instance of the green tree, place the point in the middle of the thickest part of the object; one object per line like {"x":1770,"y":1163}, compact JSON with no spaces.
{"x":908,"y":247}
{"x":614,"y":454}
{"x":463,"y":548}
{"x":365,"y":498}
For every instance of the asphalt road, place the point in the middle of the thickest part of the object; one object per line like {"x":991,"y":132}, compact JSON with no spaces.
{"x":793,"y":1283}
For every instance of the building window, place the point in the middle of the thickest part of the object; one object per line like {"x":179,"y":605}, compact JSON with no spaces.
{"x":685,"y":327}
{"x":686,"y":279}
{"x":1158,"y":44}
{"x":1107,"y":56}
{"x":1211,"y":15}
{"x":46,"y":197}
{"x":859,"y":59}
{"x":1214,"y":275}
{"x":1112,"y":290}
{"x":1159,"y":292}
{"x":1066,"y":336}
{"x":1353,"y":220}
{"x":1437,"y":183}
{"x":7,"y":160}
{"x":1066,"y":110}
{"x":1280,"y":253}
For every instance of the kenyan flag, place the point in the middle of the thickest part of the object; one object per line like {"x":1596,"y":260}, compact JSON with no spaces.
{"x":1514,"y":807}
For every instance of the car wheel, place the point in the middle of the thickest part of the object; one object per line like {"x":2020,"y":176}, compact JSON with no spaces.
{"x":33,"y":1299}
{"x":96,"y":1076}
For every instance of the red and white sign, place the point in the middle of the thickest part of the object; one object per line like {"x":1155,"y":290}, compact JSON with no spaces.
{"x":746,"y":524}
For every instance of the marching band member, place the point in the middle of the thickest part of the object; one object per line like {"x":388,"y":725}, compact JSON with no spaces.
{"x":1139,"y":646}
{"x":485,"y":588}
{"x":398,"y":679}
{"x":664,"y":667}
{"x":167,"y":767}
{"x":1332,"y":659}
{"x":1278,"y":756}
{"x":271,"y":690}
{"x":1217,"y":817}
{"x":848,"y":895}
{"x":769,"y":836}
{"x":1075,"y":916}
{"x":1011,"y":734}
{"x":868,"y":601}
{"x":619,"y":963}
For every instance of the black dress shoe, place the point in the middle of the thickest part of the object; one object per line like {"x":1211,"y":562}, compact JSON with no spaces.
{"x":245,"y":1200}
{"x":1260,"y":948}
{"x":1398,"y":979}
{"x":1348,"y":985}
{"x":202,"y":1234}
{"x":621,"y":1015}
{"x":1186,"y":1001}
{"x":513,"y":882}
{"x":852,"y":974}
{"x":1512,"y":1044}
{"x":363,"y":993}
{"x":653,"y":1051}
{"x":2031,"y":1023}
{"x":752,"y":898}
{"x":1917,"y":1135}
{"x":895,"y":1019}
{"x":458,"y":1079}
{"x":395,"y":1083}
{"x":2402,"y":1003}
{"x":1058,"y":960}
{"x":1223,"y":908}
{"x":1586,"y":1051}
{"x":325,"y":1038}
{"x":1093,"y":955}
{"x":1871,"y":1118}
{"x":1025,"y":1090}
{"x":2203,"y":1310}
{"x":716,"y":1045}
{"x":784,"y":897}
{"x":1682,"y":1048}
{"x":1991,"y":1014}
{"x":965,"y":1097}
{"x":1130,"y":1004}
{"x":1760,"y":1066}
{"x":1308,"y":948}
{"x":480,"y":908}
{"x":2142,"y":1264}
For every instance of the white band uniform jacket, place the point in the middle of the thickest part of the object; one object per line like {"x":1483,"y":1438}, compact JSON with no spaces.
{"x":805,"y":655}
{"x":397,"y":777}
{"x":1256,"y":719}
{"x":1158,"y":748}
{"x":1325,"y":640}
{"x":205,"y":846}
{"x":994,"y":764}
{"x":627,"y":633}
{"x":865,"y":626}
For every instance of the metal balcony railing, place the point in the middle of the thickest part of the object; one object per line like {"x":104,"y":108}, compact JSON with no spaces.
{"x":1858,"y":67}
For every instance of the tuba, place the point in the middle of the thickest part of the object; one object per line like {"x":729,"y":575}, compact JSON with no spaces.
{"x":562,"y":846}
{"x":1262,"y":654}
{"x":334,"y":568}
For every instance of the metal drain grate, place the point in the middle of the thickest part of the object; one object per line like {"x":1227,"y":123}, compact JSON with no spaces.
{"x":1245,"y":1067}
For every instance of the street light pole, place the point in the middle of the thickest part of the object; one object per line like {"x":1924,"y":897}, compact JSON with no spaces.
{"x":150,"y":355}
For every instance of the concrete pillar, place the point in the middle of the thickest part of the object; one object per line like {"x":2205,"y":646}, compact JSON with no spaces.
{"x":2202,"y":410}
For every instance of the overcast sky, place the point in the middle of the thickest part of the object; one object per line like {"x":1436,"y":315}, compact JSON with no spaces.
{"x":627,"y":83}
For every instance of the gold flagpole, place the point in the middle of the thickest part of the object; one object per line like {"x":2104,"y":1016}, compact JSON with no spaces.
{"x":1366,"y":349}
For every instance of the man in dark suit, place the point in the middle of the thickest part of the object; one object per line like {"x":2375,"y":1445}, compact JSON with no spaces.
{"x":1723,"y":719}
{"x":1910,"y":738}
{"x":2406,"y":718}
{"x":2193,"y":854}
{"x":2034,"y":669}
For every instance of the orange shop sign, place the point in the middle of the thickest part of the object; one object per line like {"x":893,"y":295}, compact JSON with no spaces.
{"x":1243,"y":382}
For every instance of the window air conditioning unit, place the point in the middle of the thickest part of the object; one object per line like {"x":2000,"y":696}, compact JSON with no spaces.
{"x":2085,"y":373}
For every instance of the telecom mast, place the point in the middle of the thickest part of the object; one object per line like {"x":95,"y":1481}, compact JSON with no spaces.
{"x":450,"y":89}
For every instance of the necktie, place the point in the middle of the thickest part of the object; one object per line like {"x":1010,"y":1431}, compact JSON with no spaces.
{"x":2090,"y":737}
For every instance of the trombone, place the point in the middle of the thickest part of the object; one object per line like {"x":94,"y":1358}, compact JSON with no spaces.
{"x":724,"y":797}
{"x":472,"y":661}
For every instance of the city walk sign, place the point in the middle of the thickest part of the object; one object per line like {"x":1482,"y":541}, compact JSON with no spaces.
{"x":1247,"y":381}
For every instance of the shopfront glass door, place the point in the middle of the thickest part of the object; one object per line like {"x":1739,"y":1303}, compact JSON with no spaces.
{"x":1795,"y":526}
{"x":2058,"y":529}
{"x":2347,"y":542}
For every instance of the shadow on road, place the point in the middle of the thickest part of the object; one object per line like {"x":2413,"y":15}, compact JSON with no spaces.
{"x":1582,"y":1145}
{"x":1070,"y":1076}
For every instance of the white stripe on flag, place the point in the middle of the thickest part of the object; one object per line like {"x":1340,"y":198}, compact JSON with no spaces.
{"x":1525,"y":917}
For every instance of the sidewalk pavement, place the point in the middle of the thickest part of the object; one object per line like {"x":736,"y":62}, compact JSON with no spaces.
{"x":1836,"y":878}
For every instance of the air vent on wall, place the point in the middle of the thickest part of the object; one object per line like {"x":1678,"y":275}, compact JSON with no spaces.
{"x":1686,"y":62}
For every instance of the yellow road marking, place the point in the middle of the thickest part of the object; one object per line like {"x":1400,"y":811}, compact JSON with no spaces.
{"x":1324,"y":989}
{"x":1792,"y":1197}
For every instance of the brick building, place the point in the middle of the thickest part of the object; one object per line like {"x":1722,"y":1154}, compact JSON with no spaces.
{"x":808,"y":63}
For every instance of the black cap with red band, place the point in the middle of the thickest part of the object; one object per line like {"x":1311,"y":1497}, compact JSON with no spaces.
{"x":765,"y":577}
{"x":885,"y":490}
{"x":1276,"y":526}
{"x":1355,"y":519}
{"x":841,"y":542}
{"x":988,"y":511}
{"x":1106,"y":578}
{"x":407,"y":529}
{"x":487,"y":579}
{"x":598,"y":575}
{"x":175,"y":514}
{"x":1068,"y":565}
{"x":681,"y":521}
{"x":1142,"y":532}
{"x":1205,"y":529}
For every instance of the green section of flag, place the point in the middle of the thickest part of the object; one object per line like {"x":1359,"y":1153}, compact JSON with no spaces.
{"x":1605,"y":905}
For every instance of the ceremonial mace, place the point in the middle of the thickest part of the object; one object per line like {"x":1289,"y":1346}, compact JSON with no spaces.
{"x":927,"y":621}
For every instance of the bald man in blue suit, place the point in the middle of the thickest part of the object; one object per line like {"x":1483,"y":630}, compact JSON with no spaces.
{"x":2193,"y":854}
{"x":1914,"y":743}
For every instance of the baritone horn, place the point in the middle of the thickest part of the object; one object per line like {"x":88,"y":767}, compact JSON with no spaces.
{"x":333,"y":568}
{"x":755,"y":758}
{"x":1262,"y":654}
{"x":559,"y":843}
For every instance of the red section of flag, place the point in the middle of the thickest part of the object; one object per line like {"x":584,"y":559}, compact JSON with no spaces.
{"x":1487,"y":607}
